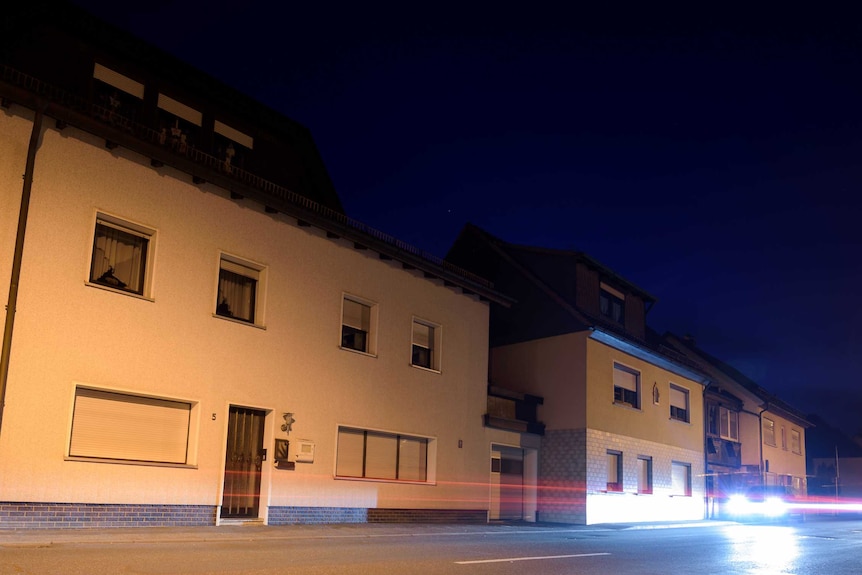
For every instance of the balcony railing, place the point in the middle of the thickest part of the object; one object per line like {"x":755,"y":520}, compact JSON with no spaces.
{"x":110,"y":117}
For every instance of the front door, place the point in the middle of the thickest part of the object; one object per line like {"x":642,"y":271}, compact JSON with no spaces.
{"x":507,"y":484}
{"x":243,"y":460}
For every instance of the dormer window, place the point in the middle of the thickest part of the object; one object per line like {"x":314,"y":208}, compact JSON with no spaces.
{"x":612,"y":303}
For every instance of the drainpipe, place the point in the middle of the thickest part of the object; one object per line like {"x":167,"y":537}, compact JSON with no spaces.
{"x":16,"y":258}
{"x":709,"y":502}
{"x":760,"y":421}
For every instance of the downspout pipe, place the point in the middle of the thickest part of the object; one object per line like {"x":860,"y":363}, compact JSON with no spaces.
{"x":708,"y":478}
{"x":760,"y":422}
{"x":12,"y":302}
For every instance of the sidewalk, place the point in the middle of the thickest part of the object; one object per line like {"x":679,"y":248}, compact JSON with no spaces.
{"x":150,"y":535}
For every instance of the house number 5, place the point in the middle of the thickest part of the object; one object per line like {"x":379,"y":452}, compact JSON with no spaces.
{"x":214,"y":416}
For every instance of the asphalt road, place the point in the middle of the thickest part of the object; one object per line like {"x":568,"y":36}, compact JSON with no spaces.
{"x":832,"y":547}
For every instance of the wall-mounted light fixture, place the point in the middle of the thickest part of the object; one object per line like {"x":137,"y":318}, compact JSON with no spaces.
{"x":288,"y":422}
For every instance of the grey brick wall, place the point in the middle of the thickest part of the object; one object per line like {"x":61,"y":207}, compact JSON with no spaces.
{"x":316,"y":515}
{"x":21,"y":515}
{"x":563,"y":476}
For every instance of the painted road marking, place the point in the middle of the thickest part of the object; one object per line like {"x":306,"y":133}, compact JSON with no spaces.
{"x":511,"y":559}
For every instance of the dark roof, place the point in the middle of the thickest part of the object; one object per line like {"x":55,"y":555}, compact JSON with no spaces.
{"x":721,"y":370}
{"x":26,"y":26}
{"x":537,"y":267}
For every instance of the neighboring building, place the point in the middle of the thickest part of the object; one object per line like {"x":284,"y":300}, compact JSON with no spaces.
{"x":623,"y":422}
{"x":200,"y":334}
{"x":834,"y":464}
{"x":752,"y":436}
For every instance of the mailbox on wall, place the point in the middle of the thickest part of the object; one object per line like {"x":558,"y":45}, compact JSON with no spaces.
{"x":305,"y":451}
{"x":282,"y":451}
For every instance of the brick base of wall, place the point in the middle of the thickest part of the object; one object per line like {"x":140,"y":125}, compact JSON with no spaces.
{"x":427,"y":516}
{"x":16,"y":515}
{"x":76,"y":515}
{"x":316,"y":515}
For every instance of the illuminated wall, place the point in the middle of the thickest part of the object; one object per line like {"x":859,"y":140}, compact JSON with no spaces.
{"x":171,"y":344}
{"x":574,"y":374}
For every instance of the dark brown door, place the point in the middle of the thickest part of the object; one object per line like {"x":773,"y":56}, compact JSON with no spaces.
{"x":243,"y":460}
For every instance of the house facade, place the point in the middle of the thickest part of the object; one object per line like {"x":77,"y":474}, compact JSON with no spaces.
{"x":623,"y":422}
{"x":751,"y":437}
{"x":197,"y":333}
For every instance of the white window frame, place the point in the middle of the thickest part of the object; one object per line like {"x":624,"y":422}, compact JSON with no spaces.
{"x":613,"y":297}
{"x":614,"y":471}
{"x":680,"y":479}
{"x":351,"y":434}
{"x":433,"y":345}
{"x":369,"y":326}
{"x":233,"y":134}
{"x":95,"y":269}
{"x":673,"y":401}
{"x":618,"y":383}
{"x":769,"y":432}
{"x":120,"y":426}
{"x":249,"y":269}
{"x":796,"y":441}
{"x":732,"y":430}
{"x":645,"y":481}
{"x":118,"y":81}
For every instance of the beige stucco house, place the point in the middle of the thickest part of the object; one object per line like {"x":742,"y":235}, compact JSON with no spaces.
{"x":197,"y":333}
{"x":623,"y":435}
{"x":752,"y":436}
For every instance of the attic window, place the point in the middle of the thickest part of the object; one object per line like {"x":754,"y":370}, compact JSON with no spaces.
{"x":612,"y":303}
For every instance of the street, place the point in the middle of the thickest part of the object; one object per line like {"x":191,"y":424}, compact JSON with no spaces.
{"x":820,"y":546}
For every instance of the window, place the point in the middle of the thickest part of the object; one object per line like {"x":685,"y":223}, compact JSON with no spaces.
{"x":612,"y":304}
{"x":358,"y":321}
{"x":795,"y":441}
{"x":626,"y":386}
{"x":120,"y":426}
{"x":783,"y":438}
{"x":425,"y":351}
{"x":615,"y":471}
{"x":644,"y":474}
{"x":121,"y":253}
{"x":768,"y":431}
{"x":239,"y":289}
{"x":119,"y":96}
{"x":729,"y":424}
{"x":679,"y":403}
{"x":681,"y":479}
{"x":378,"y":455}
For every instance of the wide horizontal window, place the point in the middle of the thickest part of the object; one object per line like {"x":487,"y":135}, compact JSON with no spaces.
{"x":378,"y":455}
{"x":110,"y":425}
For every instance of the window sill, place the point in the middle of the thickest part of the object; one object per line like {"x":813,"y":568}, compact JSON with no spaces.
{"x":373,"y":480}
{"x":239,"y":321}
{"x":422,"y":368}
{"x":358,"y":352}
{"x":118,"y":291}
{"x":684,"y":422}
{"x":627,"y":406}
{"x":130,"y":462}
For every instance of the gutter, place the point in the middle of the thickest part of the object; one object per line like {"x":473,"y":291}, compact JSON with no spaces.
{"x":6,"y":352}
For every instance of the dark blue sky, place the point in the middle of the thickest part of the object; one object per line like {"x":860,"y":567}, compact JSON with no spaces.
{"x":713,"y":158}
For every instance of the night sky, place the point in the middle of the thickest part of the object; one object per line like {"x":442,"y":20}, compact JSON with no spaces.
{"x":712,"y":158}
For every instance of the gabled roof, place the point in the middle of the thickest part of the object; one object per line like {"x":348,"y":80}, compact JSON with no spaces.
{"x":315,"y":204}
{"x":539,"y":266}
{"x":725,"y":373}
